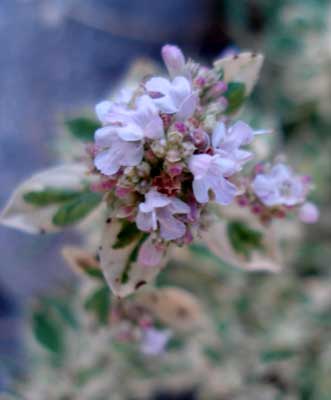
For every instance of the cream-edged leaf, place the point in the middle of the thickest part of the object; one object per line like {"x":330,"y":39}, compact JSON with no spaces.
{"x":267,"y":258}
{"x":119,"y":265}
{"x":243,"y":67}
{"x":24,"y":210}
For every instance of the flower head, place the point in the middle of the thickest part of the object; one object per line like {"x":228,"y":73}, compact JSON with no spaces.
{"x":280,"y":186}
{"x":158,"y":212}
{"x":173,"y":97}
{"x":210,"y":174}
{"x":121,"y":142}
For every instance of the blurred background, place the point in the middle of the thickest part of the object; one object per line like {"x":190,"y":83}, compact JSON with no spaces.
{"x":60,"y":57}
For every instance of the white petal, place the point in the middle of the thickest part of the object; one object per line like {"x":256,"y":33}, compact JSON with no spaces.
{"x":200,"y":190}
{"x":170,"y":227}
{"x":31,"y":219}
{"x":218,"y":135}
{"x":154,"y":199}
{"x":106,"y":163}
{"x":241,"y":133}
{"x":130,"y":132}
{"x":199,"y":165}
{"x":158,"y":85}
{"x":179,"y":207}
{"x":187,"y":107}
{"x":104,"y":136}
{"x":102,"y":110}
{"x":154,"y":129}
{"x":146,"y":221}
{"x":225,"y":191}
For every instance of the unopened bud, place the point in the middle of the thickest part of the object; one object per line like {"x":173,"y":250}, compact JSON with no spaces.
{"x":309,"y":213}
{"x":200,"y":139}
{"x":173,"y":59}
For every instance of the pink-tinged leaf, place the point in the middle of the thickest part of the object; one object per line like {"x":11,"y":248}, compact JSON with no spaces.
{"x":120,"y":266}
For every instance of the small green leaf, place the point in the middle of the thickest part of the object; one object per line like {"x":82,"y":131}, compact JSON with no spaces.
{"x":277,"y":355}
{"x":94,"y":273}
{"x":48,"y":332}
{"x":128,"y":233}
{"x":63,"y":309}
{"x":99,"y":303}
{"x":83,"y":128}
{"x":244,"y":239}
{"x":76,"y":209}
{"x":235,"y":96}
{"x":49,"y":196}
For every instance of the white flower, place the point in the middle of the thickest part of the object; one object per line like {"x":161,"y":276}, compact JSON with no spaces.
{"x":158,"y":211}
{"x":227,"y":141}
{"x":279,"y":187}
{"x":122,"y":141}
{"x":154,"y":341}
{"x":210,"y":173}
{"x":174,"y":97}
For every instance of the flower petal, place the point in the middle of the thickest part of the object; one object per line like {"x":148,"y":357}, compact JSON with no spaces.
{"x":170,"y":227}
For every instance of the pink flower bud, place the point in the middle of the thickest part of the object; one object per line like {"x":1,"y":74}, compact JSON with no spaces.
{"x":256,"y":208}
{"x":180,"y":127}
{"x":218,"y":89}
{"x":243,"y":201}
{"x":122,"y":191}
{"x":175,"y":169}
{"x":200,"y":139}
{"x":309,"y":213}
{"x":200,"y":81}
{"x":103,"y":186}
{"x":173,"y":59}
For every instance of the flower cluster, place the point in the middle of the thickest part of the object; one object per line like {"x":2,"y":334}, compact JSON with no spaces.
{"x":168,"y":149}
{"x":164,"y":151}
{"x":274,"y":191}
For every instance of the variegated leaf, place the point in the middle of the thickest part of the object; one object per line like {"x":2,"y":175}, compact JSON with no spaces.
{"x":217,"y":240}
{"x":24,"y":213}
{"x":243,"y":67}
{"x":120,"y":267}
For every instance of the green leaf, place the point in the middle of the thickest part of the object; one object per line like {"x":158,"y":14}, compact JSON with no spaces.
{"x":94,"y":273}
{"x":277,"y":355}
{"x":133,"y":257}
{"x":128,"y":233}
{"x":99,"y":303}
{"x":63,"y":309}
{"x":235,"y":96}
{"x":243,"y":239}
{"x":83,"y":128}
{"x":47,"y":332}
{"x":76,"y":209}
{"x":49,"y":196}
